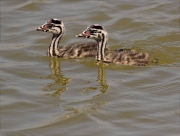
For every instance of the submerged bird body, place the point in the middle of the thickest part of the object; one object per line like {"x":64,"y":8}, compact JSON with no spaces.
{"x":122,"y":56}
{"x":74,"y":50}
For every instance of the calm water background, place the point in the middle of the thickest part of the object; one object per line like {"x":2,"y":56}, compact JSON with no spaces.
{"x":42,"y":96}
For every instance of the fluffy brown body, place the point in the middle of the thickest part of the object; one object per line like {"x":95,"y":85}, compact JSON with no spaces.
{"x":128,"y":57}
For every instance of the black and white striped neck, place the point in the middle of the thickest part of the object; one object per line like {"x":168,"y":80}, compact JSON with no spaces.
{"x":53,"y":48}
{"x":102,"y":42}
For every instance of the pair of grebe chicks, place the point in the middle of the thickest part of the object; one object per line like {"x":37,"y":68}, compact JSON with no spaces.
{"x":96,"y":49}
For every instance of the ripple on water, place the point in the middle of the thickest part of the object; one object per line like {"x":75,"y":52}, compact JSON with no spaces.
{"x":49,"y":96}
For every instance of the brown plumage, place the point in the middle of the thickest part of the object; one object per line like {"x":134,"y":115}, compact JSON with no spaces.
{"x":128,"y":57}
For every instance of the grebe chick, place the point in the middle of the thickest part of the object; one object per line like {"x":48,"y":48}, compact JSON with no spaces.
{"x":74,"y":50}
{"x":122,"y":56}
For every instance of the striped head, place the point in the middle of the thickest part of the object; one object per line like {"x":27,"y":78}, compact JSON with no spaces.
{"x":96,"y":32}
{"x":54,"y":26}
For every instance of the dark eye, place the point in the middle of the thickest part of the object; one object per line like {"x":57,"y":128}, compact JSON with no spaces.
{"x":50,"y":25}
{"x":93,"y":31}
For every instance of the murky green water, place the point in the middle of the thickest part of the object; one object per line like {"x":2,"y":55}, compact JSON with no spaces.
{"x":57,"y":97}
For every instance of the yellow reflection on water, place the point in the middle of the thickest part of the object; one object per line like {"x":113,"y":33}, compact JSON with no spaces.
{"x":101,"y":79}
{"x":92,"y":104}
{"x":60,"y":82}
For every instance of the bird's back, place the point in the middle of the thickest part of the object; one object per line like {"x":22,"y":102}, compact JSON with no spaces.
{"x":128,"y":57}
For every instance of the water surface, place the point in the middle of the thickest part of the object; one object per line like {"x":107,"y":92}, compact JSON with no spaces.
{"x":52,"y":97}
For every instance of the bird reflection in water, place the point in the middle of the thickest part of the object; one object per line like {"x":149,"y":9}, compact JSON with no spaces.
{"x":101,"y":80}
{"x":89,"y":105}
{"x":59,"y":84}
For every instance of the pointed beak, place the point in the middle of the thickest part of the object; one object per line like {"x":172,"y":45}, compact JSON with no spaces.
{"x":81,"y":35}
{"x":84,"y":34}
{"x":43,"y":28}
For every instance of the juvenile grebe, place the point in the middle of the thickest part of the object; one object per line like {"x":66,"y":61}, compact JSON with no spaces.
{"x":122,"y":56}
{"x":74,"y":50}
